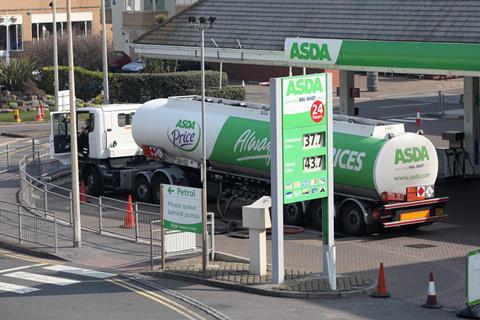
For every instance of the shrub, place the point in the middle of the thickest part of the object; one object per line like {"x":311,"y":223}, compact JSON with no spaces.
{"x":140,"y":87}
{"x":15,"y":73}
{"x":87,"y":51}
{"x":88,"y":84}
{"x":143,"y":87}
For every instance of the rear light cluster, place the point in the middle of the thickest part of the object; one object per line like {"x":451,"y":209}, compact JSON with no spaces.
{"x":392,"y":197}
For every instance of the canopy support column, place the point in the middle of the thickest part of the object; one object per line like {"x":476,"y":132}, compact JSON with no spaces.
{"x":347,"y":103}
{"x":471,"y":121}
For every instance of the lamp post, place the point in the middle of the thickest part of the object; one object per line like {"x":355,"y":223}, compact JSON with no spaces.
{"x":53,"y":4}
{"x":77,"y":226}
{"x":201,"y":24}
{"x":7,"y":21}
{"x":106,"y":94}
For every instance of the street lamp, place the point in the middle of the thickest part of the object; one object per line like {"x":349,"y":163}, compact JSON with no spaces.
{"x":53,"y":4}
{"x":106,"y":94}
{"x":7,"y":21}
{"x":201,"y":24}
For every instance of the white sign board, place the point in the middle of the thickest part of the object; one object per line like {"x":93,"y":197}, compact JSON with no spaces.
{"x":182,"y":208}
{"x":63,"y":100}
{"x":473,"y":278}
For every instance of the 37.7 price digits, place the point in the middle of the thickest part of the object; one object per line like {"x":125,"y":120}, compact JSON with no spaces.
{"x":314,"y":140}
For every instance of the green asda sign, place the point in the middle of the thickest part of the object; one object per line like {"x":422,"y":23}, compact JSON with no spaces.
{"x":387,"y":54}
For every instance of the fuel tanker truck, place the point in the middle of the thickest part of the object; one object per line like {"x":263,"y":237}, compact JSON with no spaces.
{"x":382,"y":174}
{"x":384,"y":177}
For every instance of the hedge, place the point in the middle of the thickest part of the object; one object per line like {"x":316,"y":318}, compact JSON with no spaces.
{"x":140,"y":87}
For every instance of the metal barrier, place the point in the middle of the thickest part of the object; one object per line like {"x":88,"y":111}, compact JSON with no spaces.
{"x":27,"y":227}
{"x":99,"y":214}
{"x":12,"y":153}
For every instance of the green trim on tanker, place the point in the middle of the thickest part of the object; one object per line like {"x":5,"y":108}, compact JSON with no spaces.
{"x":251,"y":148}
{"x":349,"y":159}
{"x":243,"y":142}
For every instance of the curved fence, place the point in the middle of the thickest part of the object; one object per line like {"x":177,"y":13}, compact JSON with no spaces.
{"x":99,"y":214}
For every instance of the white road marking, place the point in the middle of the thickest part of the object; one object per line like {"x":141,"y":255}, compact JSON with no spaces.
{"x":423,"y":118}
{"x":406,"y":105}
{"x":8,"y":287}
{"x":41,"y":278}
{"x":401,"y":120}
{"x":22,"y":267}
{"x":80,"y":271}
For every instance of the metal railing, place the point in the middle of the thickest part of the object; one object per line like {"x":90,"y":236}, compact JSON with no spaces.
{"x":12,"y":153}
{"x":103,"y":215}
{"x":22,"y":226}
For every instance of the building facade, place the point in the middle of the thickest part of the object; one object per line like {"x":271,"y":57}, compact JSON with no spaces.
{"x":132,"y":18}
{"x":28,"y":21}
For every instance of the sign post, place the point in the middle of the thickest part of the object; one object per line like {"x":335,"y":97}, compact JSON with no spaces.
{"x":473,"y":289}
{"x":302,"y":141}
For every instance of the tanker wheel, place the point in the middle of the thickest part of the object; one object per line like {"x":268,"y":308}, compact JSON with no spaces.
{"x":157,"y":180}
{"x":143,"y":192}
{"x":353,"y":222}
{"x":293,"y":214}
{"x":315,"y":213}
{"x":92,"y":181}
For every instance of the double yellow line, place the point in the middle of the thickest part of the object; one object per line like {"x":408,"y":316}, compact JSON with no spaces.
{"x":154,"y":296}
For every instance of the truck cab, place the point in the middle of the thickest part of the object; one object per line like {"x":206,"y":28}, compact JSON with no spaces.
{"x":103,"y":133}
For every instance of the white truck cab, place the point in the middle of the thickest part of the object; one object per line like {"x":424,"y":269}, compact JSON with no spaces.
{"x":103,"y":132}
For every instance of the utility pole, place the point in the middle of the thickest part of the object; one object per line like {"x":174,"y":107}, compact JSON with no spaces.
{"x":53,"y":4}
{"x":77,"y":225}
{"x":201,"y":25}
{"x":106,"y":94}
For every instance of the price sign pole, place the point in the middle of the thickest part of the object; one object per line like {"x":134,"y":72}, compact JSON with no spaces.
{"x":302,"y":147}
{"x":473,"y":289}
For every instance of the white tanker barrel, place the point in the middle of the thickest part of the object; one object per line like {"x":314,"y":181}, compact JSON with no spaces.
{"x":368,"y":159}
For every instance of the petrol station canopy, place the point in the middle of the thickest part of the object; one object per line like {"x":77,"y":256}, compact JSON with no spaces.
{"x":404,"y":36}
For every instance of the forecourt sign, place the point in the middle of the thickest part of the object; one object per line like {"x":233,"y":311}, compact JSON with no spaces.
{"x":181,"y":208}
{"x":473,"y":286}
{"x":301,"y":169}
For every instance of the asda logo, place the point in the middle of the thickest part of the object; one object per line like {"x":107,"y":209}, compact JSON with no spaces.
{"x":304,"y":86}
{"x":185,"y":136}
{"x":324,"y":51}
{"x":413,"y":154}
{"x":348,"y":159}
{"x":310,"y":51}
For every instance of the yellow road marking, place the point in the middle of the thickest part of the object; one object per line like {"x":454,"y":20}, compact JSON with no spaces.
{"x":158,"y":298}
{"x":25,"y":257}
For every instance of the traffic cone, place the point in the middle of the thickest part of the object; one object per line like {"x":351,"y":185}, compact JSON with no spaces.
{"x":83,"y":192}
{"x":16,"y":115}
{"x":39,"y":117}
{"x":129,"y":218}
{"x":42,"y":111}
{"x":418,"y":120}
{"x":381,"y":285}
{"x":432,"y":302}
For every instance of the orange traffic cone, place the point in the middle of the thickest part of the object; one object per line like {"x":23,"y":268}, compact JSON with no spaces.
{"x":381,"y":285}
{"x":83,"y":192}
{"x":432,"y":302}
{"x":16,"y":115}
{"x":129,"y":218}
{"x":39,"y":117}
{"x":418,"y":120}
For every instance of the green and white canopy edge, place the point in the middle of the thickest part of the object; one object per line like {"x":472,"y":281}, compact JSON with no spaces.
{"x":459,"y":59}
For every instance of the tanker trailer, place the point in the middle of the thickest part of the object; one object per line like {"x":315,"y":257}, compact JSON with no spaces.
{"x":383,"y":175}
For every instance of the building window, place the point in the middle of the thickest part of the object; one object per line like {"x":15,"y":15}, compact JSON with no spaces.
{"x":16,"y":37}
{"x":44,"y":30}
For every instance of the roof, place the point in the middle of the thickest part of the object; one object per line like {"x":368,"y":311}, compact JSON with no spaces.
{"x":264,"y":24}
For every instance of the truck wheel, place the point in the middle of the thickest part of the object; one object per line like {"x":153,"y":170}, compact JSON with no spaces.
{"x":315,"y":213}
{"x":157,"y":180}
{"x":93,"y":182}
{"x":143,"y":193}
{"x":352,"y":219}
{"x":293,"y":214}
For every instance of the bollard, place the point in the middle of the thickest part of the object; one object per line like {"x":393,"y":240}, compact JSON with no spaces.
{"x":16,"y":115}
